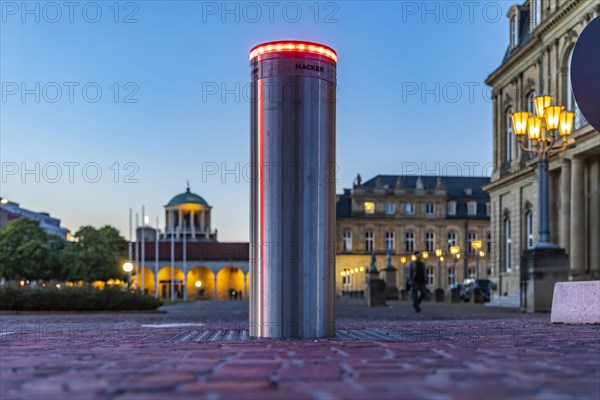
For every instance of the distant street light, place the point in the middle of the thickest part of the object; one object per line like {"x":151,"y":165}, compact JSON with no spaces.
{"x":198,"y":284}
{"x":128,"y":267}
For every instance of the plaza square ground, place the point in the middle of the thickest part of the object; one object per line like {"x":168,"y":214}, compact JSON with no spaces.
{"x":197,"y":350}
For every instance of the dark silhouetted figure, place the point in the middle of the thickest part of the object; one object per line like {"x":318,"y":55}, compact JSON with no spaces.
{"x":416,"y":275}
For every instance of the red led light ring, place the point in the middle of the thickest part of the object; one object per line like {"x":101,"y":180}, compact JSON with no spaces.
{"x":293,"y":46}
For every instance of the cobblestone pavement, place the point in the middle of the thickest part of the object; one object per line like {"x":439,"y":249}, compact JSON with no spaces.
{"x":449,"y":351}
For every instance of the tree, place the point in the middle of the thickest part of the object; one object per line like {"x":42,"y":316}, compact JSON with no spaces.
{"x":27,"y":252}
{"x":97,"y":254}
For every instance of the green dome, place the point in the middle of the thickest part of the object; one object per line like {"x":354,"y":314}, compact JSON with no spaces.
{"x":187,"y":198}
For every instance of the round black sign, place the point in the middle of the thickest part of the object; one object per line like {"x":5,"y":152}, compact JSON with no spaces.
{"x":585,"y":73}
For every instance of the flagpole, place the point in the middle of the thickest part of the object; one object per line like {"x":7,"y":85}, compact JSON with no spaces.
{"x":156,"y":240}
{"x":137,"y":252}
{"x":143,"y":249}
{"x":184,"y":260}
{"x":129,"y":247}
{"x":172,"y":265}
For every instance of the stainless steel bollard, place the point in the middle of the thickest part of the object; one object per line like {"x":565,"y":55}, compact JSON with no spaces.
{"x":292,"y":223}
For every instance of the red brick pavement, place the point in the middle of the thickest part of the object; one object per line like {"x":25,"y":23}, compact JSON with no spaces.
{"x":471,"y":355}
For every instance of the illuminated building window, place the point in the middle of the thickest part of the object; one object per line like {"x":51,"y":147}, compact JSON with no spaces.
{"x":369,"y":207}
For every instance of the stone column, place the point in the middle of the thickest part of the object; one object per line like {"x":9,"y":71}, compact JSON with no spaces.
{"x":192,"y":224}
{"x":594,"y":215}
{"x":216,"y":293}
{"x":203,"y":221}
{"x":577,"y":246}
{"x":565,"y":205}
{"x":180,"y":222}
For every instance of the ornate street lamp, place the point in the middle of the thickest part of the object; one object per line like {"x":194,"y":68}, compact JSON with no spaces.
{"x":543,"y":131}
{"x":439,"y":254}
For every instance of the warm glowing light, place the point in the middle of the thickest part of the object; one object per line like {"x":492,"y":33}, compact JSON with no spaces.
{"x":198,"y":284}
{"x":413,"y":257}
{"x":22,"y":283}
{"x":482,"y":253}
{"x":356,"y":270}
{"x":402,"y":259}
{"x":342,"y":273}
{"x":369,"y":207}
{"x":565,"y":125}
{"x":4,"y":201}
{"x":458,"y":256}
{"x":362,"y":269}
{"x":541,"y":103}
{"x":293,"y":46}
{"x":534,"y":128}
{"x":58,"y":285}
{"x":442,"y":258}
{"x":519,"y":121}
{"x":351,"y":271}
{"x":425,"y":255}
{"x":552,"y":114}
{"x":454,"y":250}
{"x":476,"y":244}
{"x":128,"y":267}
{"x":438,"y":252}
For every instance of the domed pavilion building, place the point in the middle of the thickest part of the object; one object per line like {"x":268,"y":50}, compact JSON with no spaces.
{"x":185,"y":260}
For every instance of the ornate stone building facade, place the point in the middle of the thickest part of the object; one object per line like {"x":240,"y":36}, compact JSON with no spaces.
{"x":403,"y":214}
{"x":542,"y":36}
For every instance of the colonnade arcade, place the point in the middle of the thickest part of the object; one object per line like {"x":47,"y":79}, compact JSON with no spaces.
{"x":199,"y":282}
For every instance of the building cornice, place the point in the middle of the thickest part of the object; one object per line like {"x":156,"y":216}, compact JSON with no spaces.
{"x":537,"y":35}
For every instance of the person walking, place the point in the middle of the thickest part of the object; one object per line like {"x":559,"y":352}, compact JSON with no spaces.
{"x":416,"y":275}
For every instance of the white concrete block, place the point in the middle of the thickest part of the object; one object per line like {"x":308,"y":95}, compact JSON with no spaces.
{"x":576,"y":303}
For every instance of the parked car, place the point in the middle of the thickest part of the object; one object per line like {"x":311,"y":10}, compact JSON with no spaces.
{"x":466,"y":292}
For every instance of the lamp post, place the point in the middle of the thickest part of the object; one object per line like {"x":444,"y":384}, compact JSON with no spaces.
{"x":455,"y":251}
{"x":128,"y":267}
{"x":477,"y":245}
{"x":438,"y":254}
{"x":543,"y":130}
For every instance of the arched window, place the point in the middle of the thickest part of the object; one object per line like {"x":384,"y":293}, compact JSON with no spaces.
{"x":510,"y":136}
{"x":390,"y":242}
{"x":529,"y":229}
{"x":571,"y":102}
{"x":507,"y":245}
{"x":347,"y":240}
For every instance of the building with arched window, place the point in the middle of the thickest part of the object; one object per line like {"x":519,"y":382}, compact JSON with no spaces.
{"x":185,"y":260}
{"x":542,"y":36}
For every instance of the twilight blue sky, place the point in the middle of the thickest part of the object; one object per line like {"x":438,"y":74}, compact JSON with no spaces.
{"x":158,"y":122}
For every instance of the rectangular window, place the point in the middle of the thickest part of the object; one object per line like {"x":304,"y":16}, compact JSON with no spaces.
{"x":390,"y":208}
{"x":514,"y":32}
{"x":430,"y":277}
{"x":536,"y":13}
{"x":451,"y":238}
{"x":410,"y":242}
{"x":369,"y":207}
{"x":471,"y":237}
{"x":489,"y":243}
{"x":488,"y":209}
{"x":451,"y":208}
{"x":429,"y":209}
{"x":472,"y":208}
{"x":389,"y":241}
{"x":347,"y":280}
{"x":429,"y":241}
{"x":347,"y":239}
{"x":451,"y":277}
{"x":369,"y":241}
{"x":409,"y":208}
